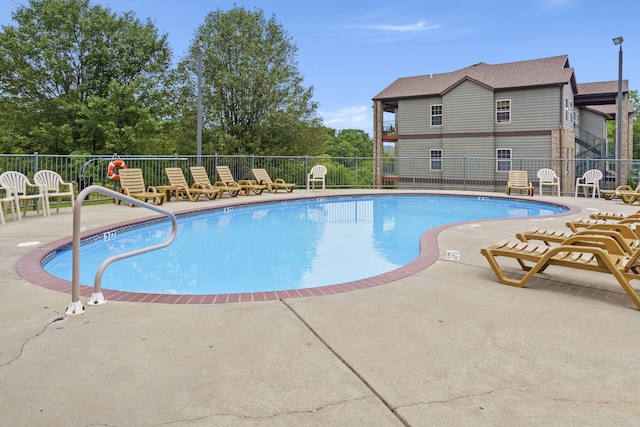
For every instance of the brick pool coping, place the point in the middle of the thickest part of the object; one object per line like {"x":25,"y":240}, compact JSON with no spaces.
{"x":29,"y":267}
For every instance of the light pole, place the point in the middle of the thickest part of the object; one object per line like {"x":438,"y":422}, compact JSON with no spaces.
{"x":199,"y":136}
{"x":618,"y":41}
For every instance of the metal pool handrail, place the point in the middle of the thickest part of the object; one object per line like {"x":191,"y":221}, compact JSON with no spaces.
{"x":76,"y":307}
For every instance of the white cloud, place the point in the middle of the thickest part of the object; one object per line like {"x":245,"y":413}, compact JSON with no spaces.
{"x":407,"y":28}
{"x":355,"y":117}
{"x":393,"y":29}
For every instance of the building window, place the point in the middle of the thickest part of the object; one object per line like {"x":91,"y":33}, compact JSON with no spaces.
{"x":568,"y":110}
{"x":436,"y":160}
{"x":503,"y":111}
{"x":503,"y":162}
{"x":436,"y":115}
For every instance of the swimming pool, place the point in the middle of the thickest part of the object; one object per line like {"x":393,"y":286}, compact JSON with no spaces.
{"x":278,"y":246}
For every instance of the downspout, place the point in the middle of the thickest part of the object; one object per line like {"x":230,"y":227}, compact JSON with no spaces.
{"x":561,"y":148}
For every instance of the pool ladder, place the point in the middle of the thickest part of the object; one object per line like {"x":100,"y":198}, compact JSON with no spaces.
{"x":76,"y":307}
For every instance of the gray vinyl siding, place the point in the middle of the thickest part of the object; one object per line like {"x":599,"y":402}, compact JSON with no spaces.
{"x":469,"y":147}
{"x":531,"y":109}
{"x":416,"y":147}
{"x":412,"y":158}
{"x":414,"y":116}
{"x":526,"y":146}
{"x":469,"y":130}
{"x":567,"y":92}
{"x":468,"y":107}
{"x":594,"y":123}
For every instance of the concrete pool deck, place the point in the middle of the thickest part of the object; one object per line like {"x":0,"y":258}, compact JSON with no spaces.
{"x":448,"y":345}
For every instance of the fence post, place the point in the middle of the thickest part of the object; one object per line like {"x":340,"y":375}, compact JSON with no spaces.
{"x":356,"y":171}
{"x":464,"y":173}
{"x":306,"y":169}
{"x":413,"y":171}
{"x":35,"y":162}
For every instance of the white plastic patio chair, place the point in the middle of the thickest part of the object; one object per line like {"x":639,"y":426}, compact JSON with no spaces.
{"x":24,"y":190}
{"x":590,"y":179}
{"x":54,"y":186}
{"x":317,"y":174}
{"x":548,"y":178}
{"x":7,"y":197}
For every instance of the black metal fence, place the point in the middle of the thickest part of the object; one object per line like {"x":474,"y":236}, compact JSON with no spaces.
{"x":446,"y":173}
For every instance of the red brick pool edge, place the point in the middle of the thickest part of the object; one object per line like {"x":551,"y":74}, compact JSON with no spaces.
{"x":29,"y":267}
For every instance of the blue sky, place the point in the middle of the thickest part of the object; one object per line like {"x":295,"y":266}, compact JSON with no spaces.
{"x":349,"y":51}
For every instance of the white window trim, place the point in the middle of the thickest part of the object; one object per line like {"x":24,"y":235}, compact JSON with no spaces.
{"x":496,"y":111}
{"x":432,"y":159}
{"x":431,"y":115}
{"x":503,"y":160}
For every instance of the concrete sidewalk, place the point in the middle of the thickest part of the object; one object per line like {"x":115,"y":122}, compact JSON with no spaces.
{"x":447,"y":346}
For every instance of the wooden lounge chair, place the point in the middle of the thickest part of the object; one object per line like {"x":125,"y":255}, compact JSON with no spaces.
{"x":262,"y":177}
{"x":201,"y":178}
{"x":621,"y":189}
{"x":132,"y":185}
{"x":25,"y":190}
{"x":630,"y":196}
{"x":624,"y":234}
{"x":577,"y":224}
{"x":613,"y":215}
{"x":519,"y":180}
{"x":592,"y":253}
{"x":54,"y":187}
{"x":227,"y":181}
{"x":193,"y":193}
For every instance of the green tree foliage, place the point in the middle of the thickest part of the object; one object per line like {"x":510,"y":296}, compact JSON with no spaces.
{"x":352,"y":151}
{"x":347,"y":143}
{"x":633,"y":96}
{"x":611,"y":125}
{"x":79,"y":77}
{"x":254,"y":101}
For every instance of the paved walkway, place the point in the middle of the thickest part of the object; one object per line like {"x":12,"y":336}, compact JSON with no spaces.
{"x":446,"y":346}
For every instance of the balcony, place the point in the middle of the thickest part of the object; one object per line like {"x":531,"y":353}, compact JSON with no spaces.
{"x":389,"y":132}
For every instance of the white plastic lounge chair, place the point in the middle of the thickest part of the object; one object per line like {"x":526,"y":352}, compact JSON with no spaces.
{"x":317,"y":174}
{"x":54,"y":187}
{"x":590,"y":179}
{"x":548,"y":178}
{"x":6,"y":196}
{"x":24,"y":190}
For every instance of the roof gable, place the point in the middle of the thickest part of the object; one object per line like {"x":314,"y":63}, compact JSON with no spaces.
{"x":537,"y":72}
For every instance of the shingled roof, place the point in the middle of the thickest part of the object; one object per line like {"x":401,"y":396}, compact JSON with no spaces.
{"x":536,"y":72}
{"x":602,"y":87}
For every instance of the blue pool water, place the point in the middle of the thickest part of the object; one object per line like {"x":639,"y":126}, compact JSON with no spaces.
{"x":287,"y":245}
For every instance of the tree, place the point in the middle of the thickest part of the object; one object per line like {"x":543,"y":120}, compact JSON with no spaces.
{"x":254,"y":101}
{"x":79,"y":77}
{"x":611,"y":125}
{"x":348,"y":143}
{"x":633,"y":96}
